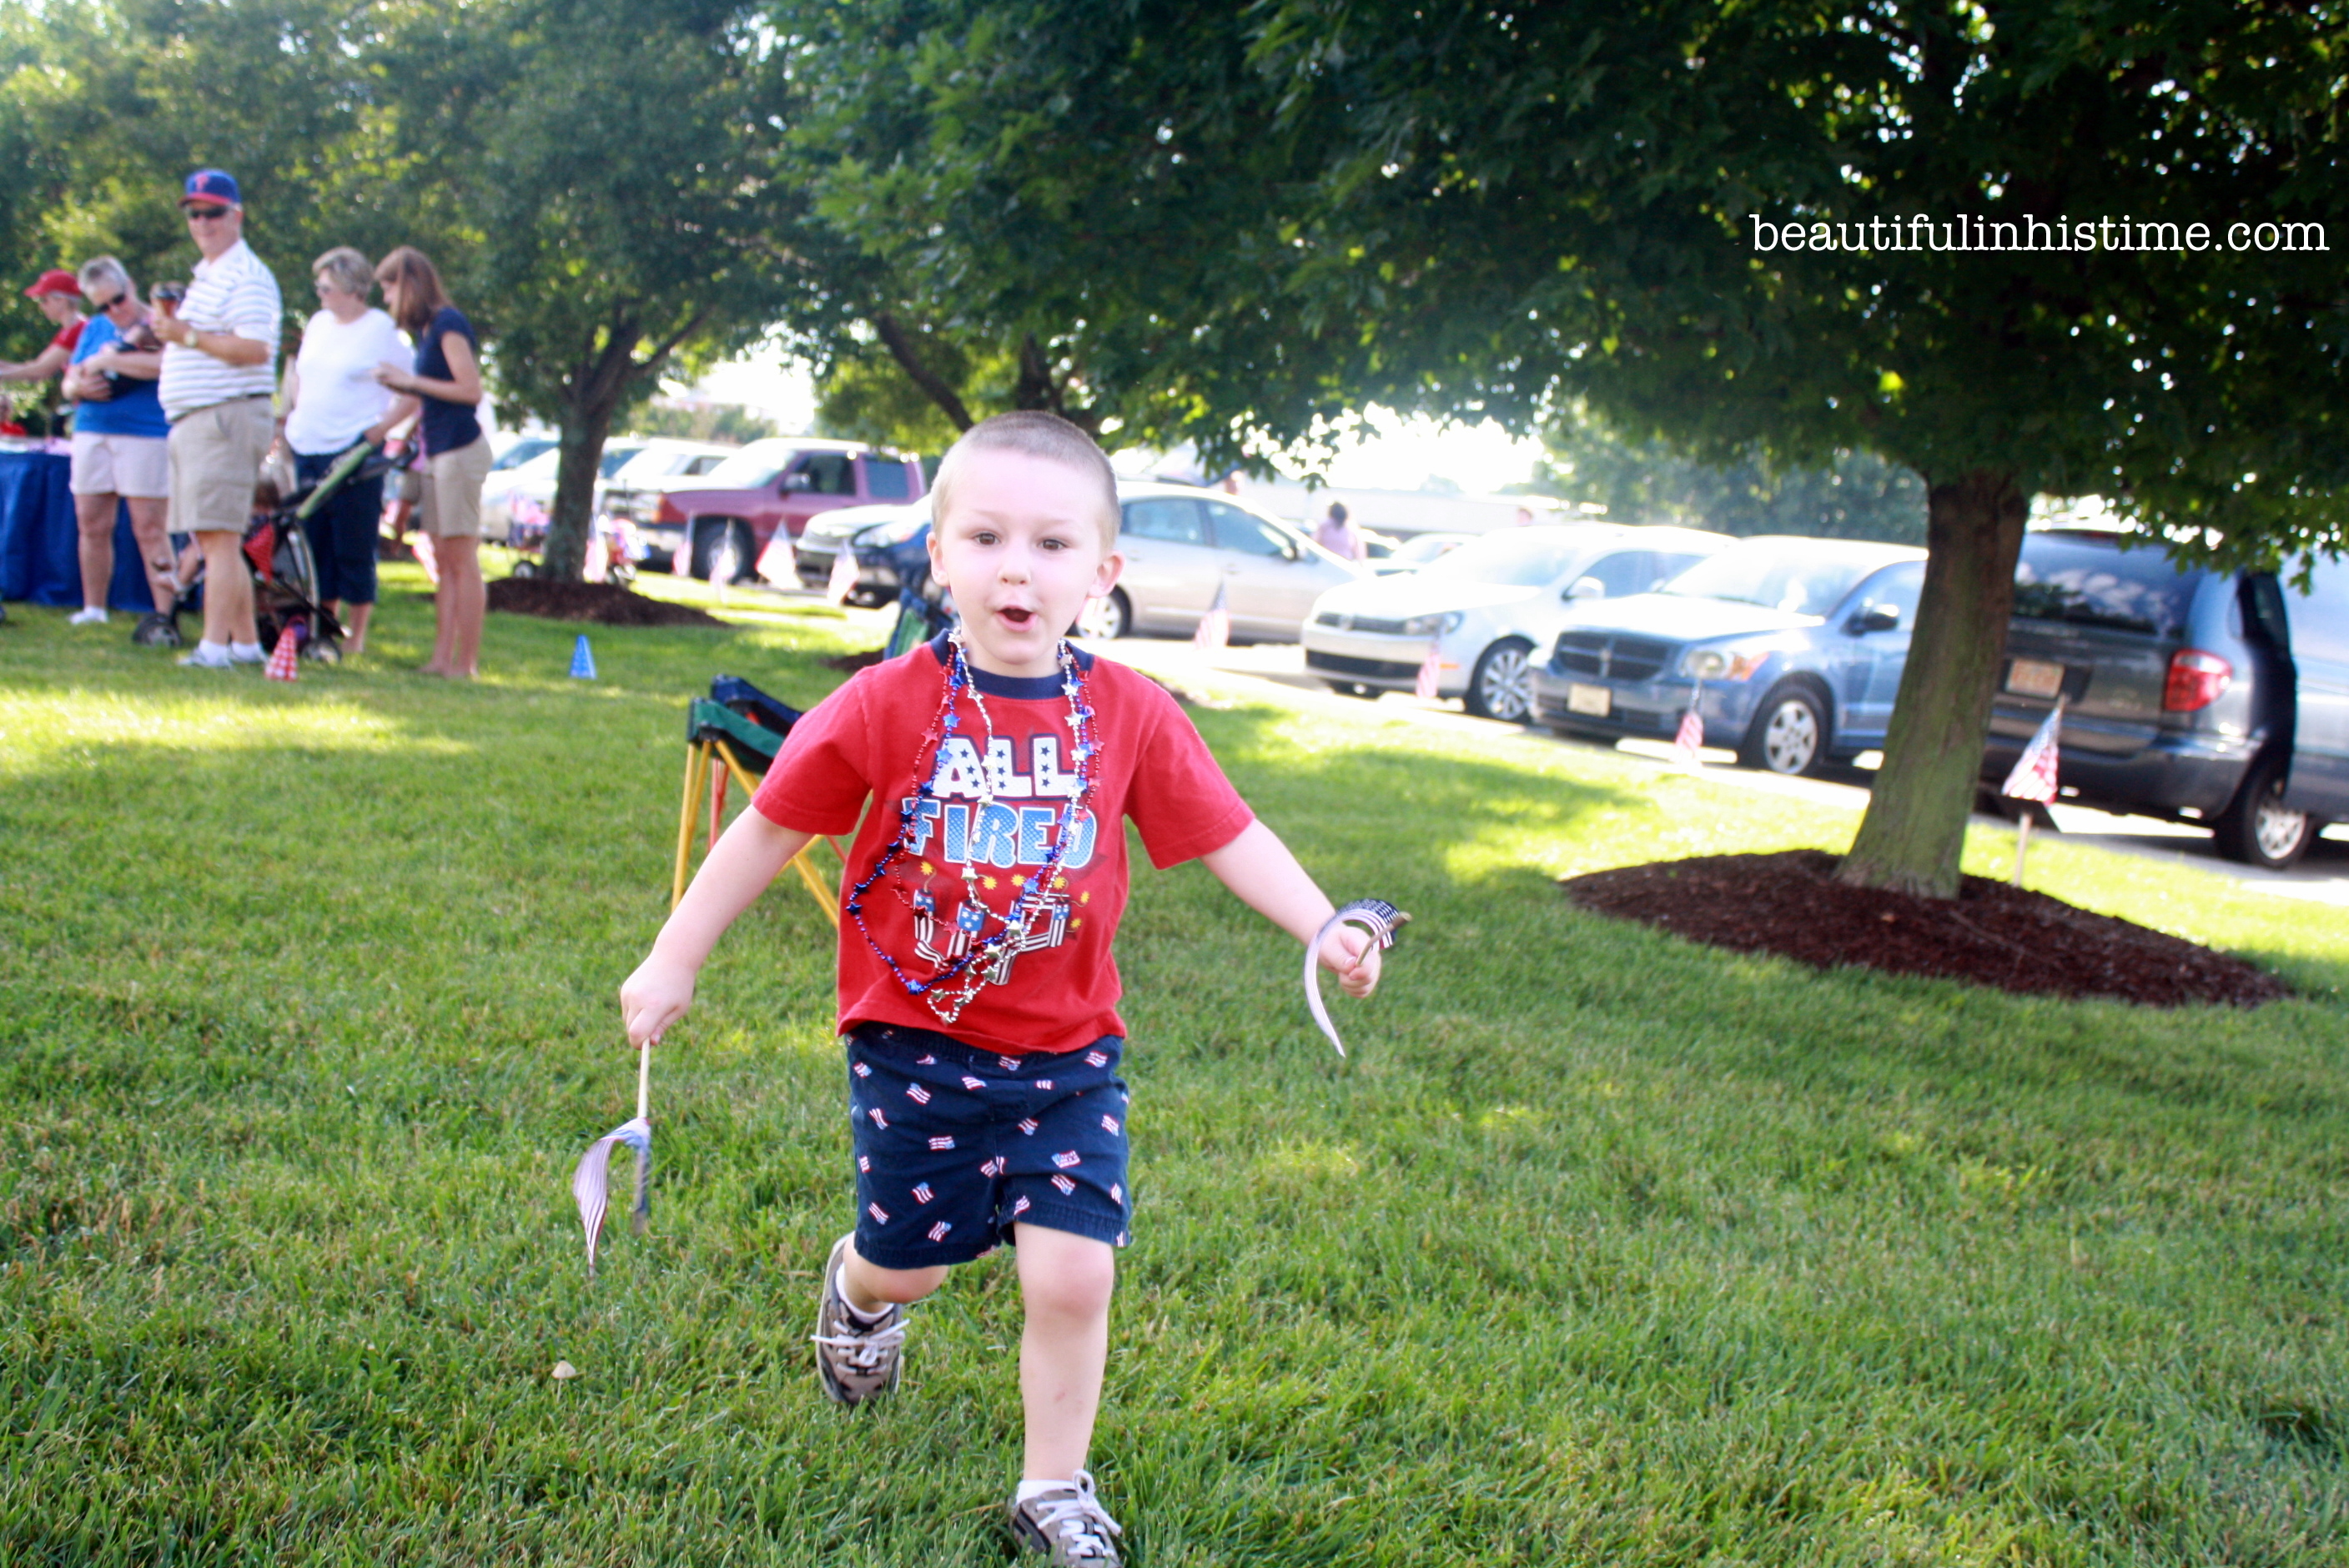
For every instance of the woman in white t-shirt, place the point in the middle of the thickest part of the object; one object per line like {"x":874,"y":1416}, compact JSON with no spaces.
{"x":332,"y":402}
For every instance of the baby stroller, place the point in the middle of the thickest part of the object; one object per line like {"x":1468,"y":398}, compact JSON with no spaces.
{"x":278,"y":550}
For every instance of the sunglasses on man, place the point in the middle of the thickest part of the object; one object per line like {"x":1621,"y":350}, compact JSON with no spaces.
{"x":207,"y":212}
{"x":103,"y":306}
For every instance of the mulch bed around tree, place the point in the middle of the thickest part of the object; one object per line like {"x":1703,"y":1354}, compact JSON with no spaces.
{"x":600,"y":603}
{"x":1992,"y":933}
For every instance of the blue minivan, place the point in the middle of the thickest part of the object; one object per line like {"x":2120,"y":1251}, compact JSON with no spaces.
{"x":2207,"y":696}
{"x":1790,"y":649}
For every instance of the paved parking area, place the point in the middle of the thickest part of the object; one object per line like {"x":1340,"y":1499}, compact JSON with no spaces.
{"x":2322,"y":877}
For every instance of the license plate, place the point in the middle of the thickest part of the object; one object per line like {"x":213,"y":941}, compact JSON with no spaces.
{"x":1595,"y":701}
{"x":2035,"y":677}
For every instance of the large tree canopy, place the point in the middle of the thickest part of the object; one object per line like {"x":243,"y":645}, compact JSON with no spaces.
{"x":1473,"y":209}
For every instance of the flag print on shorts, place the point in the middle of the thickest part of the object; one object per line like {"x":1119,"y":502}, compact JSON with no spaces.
{"x":972,"y":1084}
{"x":922,"y":1193}
{"x":940,"y":1145}
{"x":938,"y":1232}
{"x":1067,"y":1187}
{"x":1068,"y":1161}
{"x":917,"y":1094}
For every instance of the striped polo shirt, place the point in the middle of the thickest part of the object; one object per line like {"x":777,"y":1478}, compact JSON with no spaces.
{"x":232,"y":292}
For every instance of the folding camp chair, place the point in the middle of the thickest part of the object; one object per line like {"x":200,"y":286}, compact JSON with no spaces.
{"x":733,"y":734}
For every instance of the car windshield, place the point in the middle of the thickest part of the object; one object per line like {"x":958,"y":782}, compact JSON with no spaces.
{"x":1799,"y":582}
{"x":2092,"y":584}
{"x":753,"y":467}
{"x":1519,"y":558}
{"x":615,"y":458}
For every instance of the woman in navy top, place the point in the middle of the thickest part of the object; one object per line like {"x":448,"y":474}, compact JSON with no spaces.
{"x":445,"y":384}
{"x":119,"y":456}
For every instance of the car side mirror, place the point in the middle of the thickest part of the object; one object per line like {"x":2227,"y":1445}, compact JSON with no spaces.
{"x":798,"y":483}
{"x":1586,"y":588}
{"x":1876,"y":618}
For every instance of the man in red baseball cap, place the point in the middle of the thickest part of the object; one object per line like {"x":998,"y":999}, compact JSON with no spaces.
{"x":58,"y":297}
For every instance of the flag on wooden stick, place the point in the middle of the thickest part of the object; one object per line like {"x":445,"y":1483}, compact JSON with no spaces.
{"x":1689,"y":739}
{"x":592,"y":1183}
{"x":1215,"y":633}
{"x":1424,"y":687}
{"x":2033,"y":779}
{"x":843,"y":581}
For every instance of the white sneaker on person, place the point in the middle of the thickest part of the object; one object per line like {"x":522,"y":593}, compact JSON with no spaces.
{"x":208,"y":656}
{"x":89,"y":615}
{"x":246,"y":654}
{"x":1065,"y":1525}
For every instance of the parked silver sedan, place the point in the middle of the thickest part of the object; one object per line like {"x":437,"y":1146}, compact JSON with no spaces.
{"x":1184,"y":545}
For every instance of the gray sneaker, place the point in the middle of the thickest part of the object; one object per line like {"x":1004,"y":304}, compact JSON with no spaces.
{"x":854,"y":1361}
{"x":1067,"y":1525}
{"x":157,"y":629}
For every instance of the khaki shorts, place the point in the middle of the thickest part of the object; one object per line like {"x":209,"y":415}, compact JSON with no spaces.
{"x":216,"y":456}
{"x":139,"y":467}
{"x":451,"y":506}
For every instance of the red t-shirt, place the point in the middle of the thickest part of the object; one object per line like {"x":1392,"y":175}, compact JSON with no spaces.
{"x":69,"y":336}
{"x":867,"y":740}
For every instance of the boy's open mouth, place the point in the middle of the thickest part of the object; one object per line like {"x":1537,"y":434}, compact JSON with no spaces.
{"x":1017,"y":618}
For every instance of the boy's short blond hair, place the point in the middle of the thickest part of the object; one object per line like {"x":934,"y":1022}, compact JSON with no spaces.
{"x":1037,"y":434}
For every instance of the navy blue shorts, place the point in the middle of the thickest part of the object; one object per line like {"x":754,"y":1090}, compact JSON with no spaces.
{"x":956,"y":1144}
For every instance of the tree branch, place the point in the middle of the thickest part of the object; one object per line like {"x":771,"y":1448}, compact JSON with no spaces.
{"x":901,"y":348}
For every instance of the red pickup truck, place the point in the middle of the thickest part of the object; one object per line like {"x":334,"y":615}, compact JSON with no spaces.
{"x":718,"y":524}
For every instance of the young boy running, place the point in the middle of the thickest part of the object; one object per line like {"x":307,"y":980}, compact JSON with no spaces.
{"x":978,"y":991}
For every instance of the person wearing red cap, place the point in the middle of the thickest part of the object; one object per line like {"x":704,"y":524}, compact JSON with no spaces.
{"x":218,"y":375}
{"x":56,"y":293}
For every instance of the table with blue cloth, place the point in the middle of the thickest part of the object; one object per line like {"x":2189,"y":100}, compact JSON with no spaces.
{"x":39,"y":560}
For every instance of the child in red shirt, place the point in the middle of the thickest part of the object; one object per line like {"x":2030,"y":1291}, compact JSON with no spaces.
{"x":977,"y":990}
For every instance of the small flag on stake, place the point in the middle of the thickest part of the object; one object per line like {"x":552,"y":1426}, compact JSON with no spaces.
{"x":843,"y":581}
{"x":2033,"y":779}
{"x":1424,"y":687}
{"x":1689,"y":739}
{"x":286,"y":659}
{"x":1215,"y":633}
{"x":583,"y":662}
{"x":592,"y":1183}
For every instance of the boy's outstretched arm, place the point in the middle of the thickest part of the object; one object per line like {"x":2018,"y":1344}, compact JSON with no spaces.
{"x":1258,"y":867}
{"x":752,"y":852}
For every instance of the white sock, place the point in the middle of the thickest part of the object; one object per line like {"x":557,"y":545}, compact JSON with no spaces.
{"x":247,"y":651}
{"x":208,"y":649}
{"x":864,"y":1318}
{"x":1029,"y":1490}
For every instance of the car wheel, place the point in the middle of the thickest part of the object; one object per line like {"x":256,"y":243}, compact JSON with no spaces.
{"x":1789,"y":735}
{"x":2257,"y":828}
{"x":1502,"y":685}
{"x":722,"y":550}
{"x":1107,"y":619}
{"x":525,"y":568}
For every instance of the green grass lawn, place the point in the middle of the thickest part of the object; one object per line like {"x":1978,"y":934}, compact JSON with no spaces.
{"x":1602,"y":1249}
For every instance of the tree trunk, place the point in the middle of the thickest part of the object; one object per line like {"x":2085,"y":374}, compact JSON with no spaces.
{"x":591,"y":397}
{"x":580,"y":437}
{"x":1915,"y":828}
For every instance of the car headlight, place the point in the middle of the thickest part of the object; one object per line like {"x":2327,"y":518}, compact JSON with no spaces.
{"x":1712,"y":665}
{"x":1441,"y":626}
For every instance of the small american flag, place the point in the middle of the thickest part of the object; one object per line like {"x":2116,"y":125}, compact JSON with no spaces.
{"x":2033,"y":778}
{"x":1424,"y":687}
{"x":1689,"y":739}
{"x":1215,"y":633}
{"x":843,"y":581}
{"x":592,"y":1183}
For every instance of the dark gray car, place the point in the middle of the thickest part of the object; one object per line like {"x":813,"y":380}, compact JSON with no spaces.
{"x":2205,"y":696}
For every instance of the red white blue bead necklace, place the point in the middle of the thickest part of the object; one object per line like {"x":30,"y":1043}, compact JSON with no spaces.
{"x":949,"y":991}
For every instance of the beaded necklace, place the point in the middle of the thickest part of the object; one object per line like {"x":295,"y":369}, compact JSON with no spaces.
{"x":950,"y":990}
